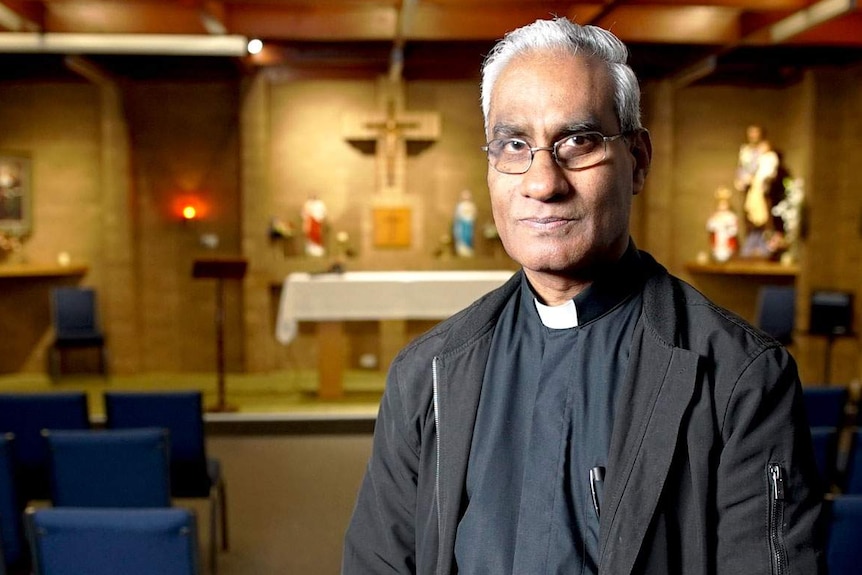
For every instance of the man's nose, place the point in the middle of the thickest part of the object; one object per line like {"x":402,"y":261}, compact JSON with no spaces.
{"x":545,"y":178}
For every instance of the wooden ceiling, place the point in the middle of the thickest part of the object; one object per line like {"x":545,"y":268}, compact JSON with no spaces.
{"x":747,"y":41}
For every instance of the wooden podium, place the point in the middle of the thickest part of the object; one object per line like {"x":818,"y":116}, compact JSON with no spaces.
{"x":221,"y":269}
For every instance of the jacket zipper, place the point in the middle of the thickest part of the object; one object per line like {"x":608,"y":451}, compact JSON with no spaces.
{"x":434,"y":389}
{"x":776,"y":519}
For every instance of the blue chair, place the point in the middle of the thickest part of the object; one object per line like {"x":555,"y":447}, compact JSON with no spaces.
{"x":824,"y":406}
{"x":76,"y":541}
{"x":25,"y":415}
{"x":11,"y":509}
{"x":110,"y":468}
{"x":76,"y":326}
{"x":843,"y":552}
{"x":853,"y":472}
{"x":776,"y":311}
{"x":193,"y":474}
{"x":825,"y":441}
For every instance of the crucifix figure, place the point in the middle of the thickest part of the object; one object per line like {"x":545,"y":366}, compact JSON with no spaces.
{"x":390,"y":139}
{"x":390,"y":132}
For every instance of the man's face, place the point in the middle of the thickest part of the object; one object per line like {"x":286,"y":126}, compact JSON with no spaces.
{"x":552,"y":220}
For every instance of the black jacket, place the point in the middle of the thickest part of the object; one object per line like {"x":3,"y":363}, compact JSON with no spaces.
{"x":710,"y":469}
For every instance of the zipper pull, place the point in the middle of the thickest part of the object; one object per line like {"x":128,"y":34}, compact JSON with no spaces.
{"x":777,"y":482}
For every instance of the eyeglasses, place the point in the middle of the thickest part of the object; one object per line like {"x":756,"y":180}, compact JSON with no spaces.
{"x":574,"y":152}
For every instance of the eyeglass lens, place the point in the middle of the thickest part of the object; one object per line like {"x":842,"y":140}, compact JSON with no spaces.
{"x":577,"y":151}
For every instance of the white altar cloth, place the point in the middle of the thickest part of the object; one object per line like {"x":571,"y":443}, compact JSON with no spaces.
{"x":379,"y":296}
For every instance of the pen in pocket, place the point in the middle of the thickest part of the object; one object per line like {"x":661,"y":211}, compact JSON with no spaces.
{"x":597,"y":477}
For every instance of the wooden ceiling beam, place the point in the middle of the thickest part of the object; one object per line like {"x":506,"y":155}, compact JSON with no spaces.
{"x":844,"y":31}
{"x":123,"y":18}
{"x":743,"y":5}
{"x":471,"y":22}
{"x":673,"y":25}
{"x":318,"y":22}
{"x":20,"y":16}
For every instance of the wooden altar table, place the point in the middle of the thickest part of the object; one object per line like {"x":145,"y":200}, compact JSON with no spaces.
{"x":388,"y":297}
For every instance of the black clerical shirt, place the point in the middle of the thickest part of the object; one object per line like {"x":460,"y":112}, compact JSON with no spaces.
{"x":545,"y":419}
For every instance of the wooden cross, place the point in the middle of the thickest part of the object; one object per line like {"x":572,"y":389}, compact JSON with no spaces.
{"x":390,"y":131}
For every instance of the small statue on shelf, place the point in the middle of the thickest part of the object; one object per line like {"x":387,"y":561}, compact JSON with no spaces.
{"x":759,"y":176}
{"x":723,"y":228}
{"x":463,"y":225}
{"x":313,"y":221}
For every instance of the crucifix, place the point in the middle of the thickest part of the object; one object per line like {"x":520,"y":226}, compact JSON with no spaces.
{"x":390,"y":131}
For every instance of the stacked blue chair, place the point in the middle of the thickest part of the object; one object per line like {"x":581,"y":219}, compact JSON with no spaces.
{"x":776,"y":311}
{"x":11,"y":509}
{"x":76,"y":325}
{"x":25,"y":415}
{"x":853,"y":475}
{"x":193,"y":474}
{"x":825,"y":441}
{"x":824,"y":406}
{"x":844,"y":553}
{"x":78,"y":541}
{"x":110,"y":468}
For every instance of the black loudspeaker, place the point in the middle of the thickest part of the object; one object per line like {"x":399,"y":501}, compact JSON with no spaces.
{"x":831,"y":313}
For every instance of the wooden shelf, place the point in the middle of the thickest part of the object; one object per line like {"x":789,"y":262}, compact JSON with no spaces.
{"x":744,"y":268}
{"x":24,"y":271}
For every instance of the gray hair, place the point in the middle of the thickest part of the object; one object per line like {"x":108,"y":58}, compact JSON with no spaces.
{"x":562,"y":34}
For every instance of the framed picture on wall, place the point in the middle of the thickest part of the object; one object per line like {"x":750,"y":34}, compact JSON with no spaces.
{"x":16,"y":194}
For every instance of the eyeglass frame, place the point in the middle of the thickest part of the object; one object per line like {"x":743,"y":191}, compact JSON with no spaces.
{"x":553,"y":149}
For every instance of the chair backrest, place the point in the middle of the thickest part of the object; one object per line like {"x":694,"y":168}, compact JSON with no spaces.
{"x":181,"y":412}
{"x":26,"y":415}
{"x":853,"y":473}
{"x":844,"y":553}
{"x":824,"y":406}
{"x":74,"y":312}
{"x":72,"y":541}
{"x":11,"y":509}
{"x":110,"y":468}
{"x":825,"y":441}
{"x":776,"y":311}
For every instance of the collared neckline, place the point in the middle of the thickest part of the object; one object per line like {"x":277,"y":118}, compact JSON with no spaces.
{"x":615,"y":283}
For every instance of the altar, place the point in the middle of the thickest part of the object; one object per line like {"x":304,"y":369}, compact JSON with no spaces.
{"x":388,"y":297}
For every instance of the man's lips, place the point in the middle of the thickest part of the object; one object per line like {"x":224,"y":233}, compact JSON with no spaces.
{"x":546,"y":223}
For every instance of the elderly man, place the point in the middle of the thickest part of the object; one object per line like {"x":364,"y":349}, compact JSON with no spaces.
{"x":595,"y":414}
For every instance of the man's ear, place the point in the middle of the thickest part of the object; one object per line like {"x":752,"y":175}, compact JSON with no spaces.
{"x":641,"y":149}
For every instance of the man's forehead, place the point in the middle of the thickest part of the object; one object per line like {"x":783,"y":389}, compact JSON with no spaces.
{"x":553,"y":92}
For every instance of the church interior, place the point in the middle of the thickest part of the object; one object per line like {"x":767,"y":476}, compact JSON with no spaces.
{"x":221,"y":200}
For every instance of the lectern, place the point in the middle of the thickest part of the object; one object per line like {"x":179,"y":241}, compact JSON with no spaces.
{"x":221,"y":269}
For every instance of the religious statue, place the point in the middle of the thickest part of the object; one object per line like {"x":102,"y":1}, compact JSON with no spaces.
{"x":723,"y":228}
{"x":10,"y":192}
{"x":759,"y":176}
{"x":313,"y":222}
{"x":463,"y":225}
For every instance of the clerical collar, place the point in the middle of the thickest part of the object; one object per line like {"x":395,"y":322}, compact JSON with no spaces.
{"x":615,"y":284}
{"x":558,"y":316}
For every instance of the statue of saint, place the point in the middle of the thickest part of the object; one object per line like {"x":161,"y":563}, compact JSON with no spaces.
{"x":464,"y":224}
{"x":313,"y":220}
{"x":723,"y":228}
{"x":10,"y":192}
{"x":759,"y":176}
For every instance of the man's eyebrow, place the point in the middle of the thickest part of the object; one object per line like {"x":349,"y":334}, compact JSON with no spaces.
{"x":507,"y":131}
{"x":583,"y":126}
